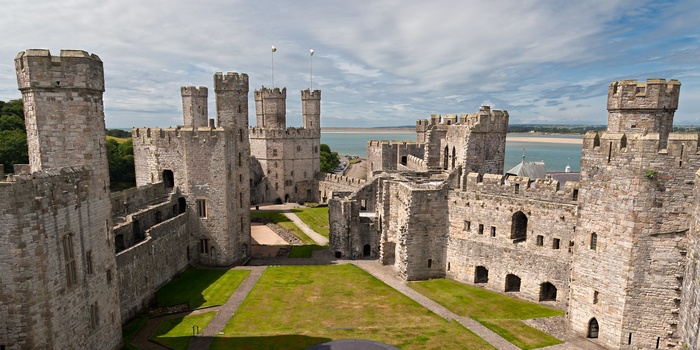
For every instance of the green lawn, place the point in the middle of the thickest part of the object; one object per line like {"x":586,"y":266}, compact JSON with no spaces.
{"x":304,"y":251}
{"x":176,"y":333}
{"x":294,"y":307}
{"x":201,"y":287}
{"x":282,"y":221}
{"x":316,"y":218}
{"x":500,"y":313}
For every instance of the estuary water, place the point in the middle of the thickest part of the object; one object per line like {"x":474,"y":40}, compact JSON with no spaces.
{"x":557,"y":151}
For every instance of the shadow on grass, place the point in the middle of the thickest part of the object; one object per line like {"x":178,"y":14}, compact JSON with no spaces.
{"x":189,"y":287}
{"x":304,"y":251}
{"x":276,"y":342}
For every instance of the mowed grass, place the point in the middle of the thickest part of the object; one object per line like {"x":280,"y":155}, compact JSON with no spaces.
{"x":201,"y":287}
{"x":304,"y":251}
{"x":176,"y":333}
{"x":294,"y":307}
{"x":282,"y":221}
{"x":316,"y":218}
{"x":500,"y":313}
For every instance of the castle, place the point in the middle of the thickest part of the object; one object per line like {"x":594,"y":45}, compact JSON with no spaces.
{"x":79,"y":260}
{"x":616,"y":250}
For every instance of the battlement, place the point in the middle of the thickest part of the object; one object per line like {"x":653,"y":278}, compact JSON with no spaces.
{"x":290,"y":133}
{"x":231,"y":81}
{"x":265,"y":93}
{"x":168,"y":135}
{"x":349,"y":181}
{"x":620,"y":144}
{"x":310,"y":95}
{"x":391,"y":143}
{"x":516,"y":186}
{"x":194,"y":91}
{"x":654,"y":94}
{"x":73,"y":69}
{"x":485,"y":116}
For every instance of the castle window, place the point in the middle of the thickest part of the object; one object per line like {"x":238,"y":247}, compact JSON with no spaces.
{"x":481,"y":229}
{"x":493,"y":231}
{"x":517,"y":188}
{"x":298,"y":148}
{"x":555,"y":243}
{"x":168,"y":179}
{"x":274,"y":152}
{"x":540,"y":240}
{"x":94,"y":315}
{"x":592,"y":328}
{"x":287,"y":182}
{"x":571,"y":246}
{"x":315,"y":149}
{"x":201,"y":207}
{"x":446,"y":158}
{"x":240,"y":178}
{"x":512,"y":283}
{"x":240,"y":132}
{"x":240,"y":200}
{"x":548,"y":292}
{"x":575,"y":195}
{"x":404,"y":160}
{"x":109,"y":276}
{"x":305,"y":175}
{"x":518,"y":232}
{"x":467,"y":225}
{"x":448,"y":266}
{"x":239,"y":159}
{"x":595,"y":297}
{"x":594,"y":241}
{"x":119,"y":243}
{"x":204,"y":246}
{"x":430,"y":263}
{"x":88,"y":262}
{"x":68,"y":254}
{"x":481,"y":275}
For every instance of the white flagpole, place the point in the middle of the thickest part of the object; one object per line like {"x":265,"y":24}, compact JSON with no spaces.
{"x":272,"y":55}
{"x":311,"y":79}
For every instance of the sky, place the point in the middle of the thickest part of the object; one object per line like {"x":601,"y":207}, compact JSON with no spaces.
{"x":377,"y":63}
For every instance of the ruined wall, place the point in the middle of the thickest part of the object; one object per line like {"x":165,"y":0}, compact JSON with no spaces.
{"x":482,"y":219}
{"x":150,"y":264}
{"x":53,"y":225}
{"x":636,"y":198}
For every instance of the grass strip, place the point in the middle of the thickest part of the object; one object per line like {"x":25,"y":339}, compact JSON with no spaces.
{"x":201,"y":287}
{"x":316,"y":218}
{"x":283,"y":221}
{"x":177,"y":333}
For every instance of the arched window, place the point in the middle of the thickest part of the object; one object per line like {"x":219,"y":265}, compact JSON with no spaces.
{"x":592,"y":328}
{"x":548,"y":292}
{"x":168,"y":179}
{"x":512,"y":283}
{"x":481,"y":275}
{"x":518,"y":230}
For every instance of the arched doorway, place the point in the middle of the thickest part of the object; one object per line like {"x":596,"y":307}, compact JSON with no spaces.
{"x":168,"y":179}
{"x":213,"y":255}
{"x":366,"y":250}
{"x":592,"y":328}
{"x":512,"y":283}
{"x":182,"y":205}
{"x":548,"y":292}
{"x":481,"y":275}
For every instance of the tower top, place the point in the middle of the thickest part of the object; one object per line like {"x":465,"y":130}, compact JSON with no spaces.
{"x":654,"y":94}
{"x":37,"y":69}
{"x":310,"y":95}
{"x":231,"y":81}
{"x":270,"y":93}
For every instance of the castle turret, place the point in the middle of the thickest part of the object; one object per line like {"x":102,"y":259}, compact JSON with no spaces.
{"x":194,"y":105}
{"x":638,"y":107}
{"x":63,"y":107}
{"x":311,"y":108}
{"x":271,"y":108}
{"x":231,"y":100}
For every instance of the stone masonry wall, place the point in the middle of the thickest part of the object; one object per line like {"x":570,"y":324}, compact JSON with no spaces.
{"x":689,"y":310}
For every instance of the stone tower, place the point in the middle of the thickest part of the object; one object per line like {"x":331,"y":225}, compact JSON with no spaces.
{"x":194,"y":105}
{"x":210,"y":165}
{"x":287,"y":159}
{"x":311,"y":109}
{"x":271,"y":108}
{"x":60,"y":288}
{"x":634,"y":205}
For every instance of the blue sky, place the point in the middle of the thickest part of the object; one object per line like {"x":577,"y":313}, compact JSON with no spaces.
{"x":378,"y":63}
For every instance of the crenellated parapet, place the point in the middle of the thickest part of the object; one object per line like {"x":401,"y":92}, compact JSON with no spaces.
{"x":652,"y":94}
{"x":76,"y":69}
{"x":349,"y":181}
{"x":231,"y":81}
{"x":195,"y":107}
{"x":523,"y":187}
{"x":612,"y":145}
{"x":288,"y":133}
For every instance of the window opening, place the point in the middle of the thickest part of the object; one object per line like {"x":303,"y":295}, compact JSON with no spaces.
{"x":593,"y":328}
{"x":201,"y":207}
{"x":548,"y":292}
{"x":512,"y":283}
{"x":481,"y":275}
{"x":518,"y":227}
{"x":594,"y":241}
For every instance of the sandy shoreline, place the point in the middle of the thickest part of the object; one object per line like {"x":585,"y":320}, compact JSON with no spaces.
{"x":560,"y":140}
{"x":572,"y":140}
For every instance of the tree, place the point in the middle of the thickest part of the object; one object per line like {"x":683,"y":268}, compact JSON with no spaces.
{"x":329,"y":159}
{"x":13,"y":148}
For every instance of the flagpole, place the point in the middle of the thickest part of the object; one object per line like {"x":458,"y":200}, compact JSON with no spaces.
{"x":272,"y":56}
{"x":311,"y":65}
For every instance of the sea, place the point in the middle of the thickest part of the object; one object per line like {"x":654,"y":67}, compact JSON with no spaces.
{"x":555,"y":155}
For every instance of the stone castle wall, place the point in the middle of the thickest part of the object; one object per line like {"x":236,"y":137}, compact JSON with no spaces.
{"x":41,"y":211}
{"x":689,"y":309}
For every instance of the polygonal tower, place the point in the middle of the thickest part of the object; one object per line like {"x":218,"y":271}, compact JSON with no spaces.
{"x":194,"y":105}
{"x":634,"y":209}
{"x":271,"y":108}
{"x":311,"y":109}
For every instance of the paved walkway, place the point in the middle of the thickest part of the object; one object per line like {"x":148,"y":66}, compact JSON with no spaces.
{"x":217,"y":324}
{"x":141,"y":339}
{"x":320,"y":240}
